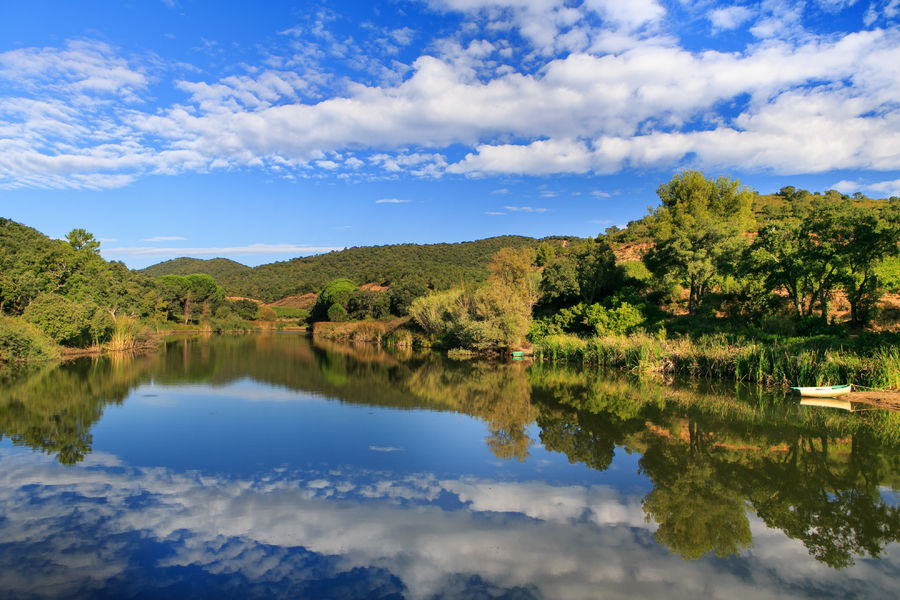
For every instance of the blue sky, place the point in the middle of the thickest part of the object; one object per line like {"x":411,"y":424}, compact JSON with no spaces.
{"x":264,"y":131}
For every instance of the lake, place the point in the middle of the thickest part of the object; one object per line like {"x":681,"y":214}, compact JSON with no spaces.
{"x":270,"y":466}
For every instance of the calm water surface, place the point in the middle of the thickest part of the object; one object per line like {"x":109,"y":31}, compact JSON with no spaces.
{"x":269,"y":467}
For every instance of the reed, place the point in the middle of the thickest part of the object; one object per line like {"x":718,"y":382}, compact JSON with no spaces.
{"x":715,"y":357}
{"x":125,"y":334}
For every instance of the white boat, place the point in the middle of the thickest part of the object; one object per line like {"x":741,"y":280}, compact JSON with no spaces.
{"x":828,"y":391}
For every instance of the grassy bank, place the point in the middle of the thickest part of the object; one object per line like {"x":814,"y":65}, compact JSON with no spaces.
{"x":391,"y":333}
{"x":789,"y":362}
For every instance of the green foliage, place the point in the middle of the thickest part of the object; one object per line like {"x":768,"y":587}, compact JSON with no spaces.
{"x":620,"y":320}
{"x":32,"y":264}
{"x":434,"y":313}
{"x":438,"y":266}
{"x":697,"y":230}
{"x":20,"y":340}
{"x":287,"y":312}
{"x":596,"y":271}
{"x":244,"y":308}
{"x":559,"y":283}
{"x":812,"y":248}
{"x":186,"y":297}
{"x":80,"y":239}
{"x":364,"y":304}
{"x":67,"y":322}
{"x":336,"y":313}
{"x":495,"y":315}
{"x":404,"y":292}
{"x":336,"y":292}
{"x":267,"y":313}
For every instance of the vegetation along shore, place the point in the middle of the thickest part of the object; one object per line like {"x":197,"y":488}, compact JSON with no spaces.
{"x":717,"y":281}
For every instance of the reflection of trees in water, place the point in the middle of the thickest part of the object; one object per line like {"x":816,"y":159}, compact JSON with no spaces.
{"x":499,"y":394}
{"x":710,"y":459}
{"x":814,"y":475}
{"x":834,"y":508}
{"x":51,"y":408}
{"x":697,"y":508}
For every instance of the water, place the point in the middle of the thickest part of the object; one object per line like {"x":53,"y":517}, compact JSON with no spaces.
{"x":267,"y":467}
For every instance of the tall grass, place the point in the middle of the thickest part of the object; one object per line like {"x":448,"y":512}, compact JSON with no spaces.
{"x":128,"y":334}
{"x":715,"y":357}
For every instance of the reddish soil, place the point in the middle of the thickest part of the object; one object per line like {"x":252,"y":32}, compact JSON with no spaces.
{"x":302,"y":301}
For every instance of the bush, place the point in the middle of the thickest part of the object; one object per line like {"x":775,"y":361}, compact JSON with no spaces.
{"x":336,"y":313}
{"x":337,"y":292}
{"x":620,"y":320}
{"x":66,"y":322}
{"x":246,"y":309}
{"x":20,"y":340}
{"x":266,"y":313}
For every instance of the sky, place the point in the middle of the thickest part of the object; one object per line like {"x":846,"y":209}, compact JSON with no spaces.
{"x":264,"y":131}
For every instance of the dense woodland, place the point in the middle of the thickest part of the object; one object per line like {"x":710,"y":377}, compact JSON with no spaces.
{"x":440,"y":266}
{"x":713,"y":256}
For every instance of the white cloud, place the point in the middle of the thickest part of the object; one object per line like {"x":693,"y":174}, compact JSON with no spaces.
{"x":164,"y":238}
{"x":731,"y":17}
{"x":249,"y":250}
{"x":880,"y":188}
{"x":527,"y":209}
{"x":391,"y":201}
{"x":74,"y":118}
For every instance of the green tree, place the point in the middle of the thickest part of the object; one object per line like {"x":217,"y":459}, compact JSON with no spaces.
{"x":403,"y":293}
{"x":813,"y":248}
{"x":697,"y":230}
{"x":245,"y":309}
{"x":559,"y":283}
{"x":336,"y":292}
{"x":596,"y":270}
{"x":871,"y":239}
{"x":80,"y":239}
{"x":67,"y":322}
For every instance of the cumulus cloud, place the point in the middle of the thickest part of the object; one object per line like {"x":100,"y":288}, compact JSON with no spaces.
{"x":730,"y":17}
{"x":601,"y":89}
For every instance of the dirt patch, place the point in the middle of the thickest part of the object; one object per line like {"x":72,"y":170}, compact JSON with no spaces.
{"x":374,"y":287}
{"x":234,"y":298}
{"x":628,"y":252}
{"x":303,"y":301}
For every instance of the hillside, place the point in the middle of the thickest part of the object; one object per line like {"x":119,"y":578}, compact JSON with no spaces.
{"x":220,"y":269}
{"x":440,"y":265}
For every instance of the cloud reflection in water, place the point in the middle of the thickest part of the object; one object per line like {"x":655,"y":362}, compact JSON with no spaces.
{"x":107,"y":529}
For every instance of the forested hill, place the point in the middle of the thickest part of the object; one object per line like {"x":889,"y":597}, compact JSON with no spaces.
{"x":439,"y":265}
{"x":220,"y":269}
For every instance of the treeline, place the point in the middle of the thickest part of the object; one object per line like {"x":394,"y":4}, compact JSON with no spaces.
{"x":780,"y":268}
{"x":440,"y":266}
{"x":62,"y":294}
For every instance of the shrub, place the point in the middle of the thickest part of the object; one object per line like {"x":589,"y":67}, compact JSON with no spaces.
{"x":246,"y":309}
{"x":20,"y":340}
{"x":266,"y":313}
{"x":620,"y":320}
{"x":336,"y":313}
{"x":65,"y":321}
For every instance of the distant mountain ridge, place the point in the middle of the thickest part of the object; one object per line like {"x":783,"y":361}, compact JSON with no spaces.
{"x":440,"y":265}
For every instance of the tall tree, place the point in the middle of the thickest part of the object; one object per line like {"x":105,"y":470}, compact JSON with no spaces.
{"x":871,"y":239}
{"x":697,"y":230}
